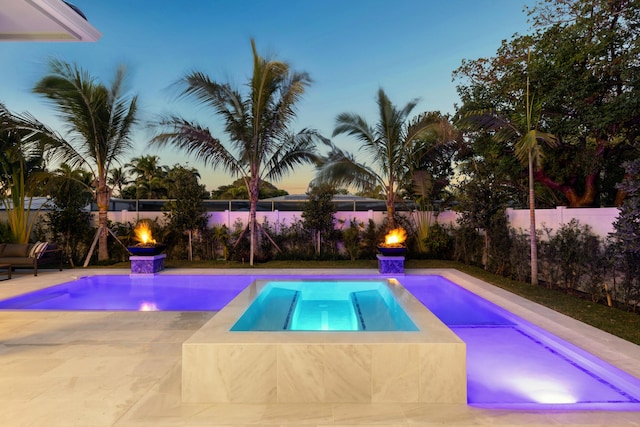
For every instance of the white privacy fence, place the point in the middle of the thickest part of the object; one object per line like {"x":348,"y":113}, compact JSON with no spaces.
{"x":599,"y":219}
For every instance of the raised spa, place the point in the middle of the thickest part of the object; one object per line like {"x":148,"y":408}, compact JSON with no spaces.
{"x":321,"y":305}
{"x":405,"y":354}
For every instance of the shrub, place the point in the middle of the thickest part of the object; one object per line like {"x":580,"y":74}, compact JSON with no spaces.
{"x":467,"y":245}
{"x":439,"y":244}
{"x":5,"y":232}
{"x":626,"y":237}
{"x":353,"y":239}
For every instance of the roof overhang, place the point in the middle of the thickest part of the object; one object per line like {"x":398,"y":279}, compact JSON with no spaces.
{"x":43,"y":20}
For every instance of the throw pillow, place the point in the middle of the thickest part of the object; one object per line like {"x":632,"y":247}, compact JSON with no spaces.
{"x":41,"y":249}
{"x":34,"y":249}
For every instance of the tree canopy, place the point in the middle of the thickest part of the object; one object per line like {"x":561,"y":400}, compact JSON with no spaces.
{"x":585,"y":75}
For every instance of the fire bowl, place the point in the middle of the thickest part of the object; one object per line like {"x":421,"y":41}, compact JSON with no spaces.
{"x":392,"y":250}
{"x":146,"y":250}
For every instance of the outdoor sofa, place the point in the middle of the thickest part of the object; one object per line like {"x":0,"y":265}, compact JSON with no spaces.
{"x":30,"y":255}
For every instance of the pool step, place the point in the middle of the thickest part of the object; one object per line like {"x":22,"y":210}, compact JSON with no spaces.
{"x":372,"y":312}
{"x":282,"y":302}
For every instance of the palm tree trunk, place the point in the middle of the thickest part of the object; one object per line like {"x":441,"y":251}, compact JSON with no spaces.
{"x":391,"y":208}
{"x":253,"y":198}
{"x":103,"y":251}
{"x":532,"y":224}
{"x":102,"y":200}
{"x":252,"y":233}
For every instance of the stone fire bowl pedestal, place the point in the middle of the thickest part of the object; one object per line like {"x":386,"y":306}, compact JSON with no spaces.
{"x":147,"y":265}
{"x":390,"y":264}
{"x":391,"y":259}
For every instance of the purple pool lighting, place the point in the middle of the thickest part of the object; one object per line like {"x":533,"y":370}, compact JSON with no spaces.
{"x":511,"y":363}
{"x":134,"y":293}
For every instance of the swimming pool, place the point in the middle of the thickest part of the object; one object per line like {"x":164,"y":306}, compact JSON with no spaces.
{"x":511,"y":363}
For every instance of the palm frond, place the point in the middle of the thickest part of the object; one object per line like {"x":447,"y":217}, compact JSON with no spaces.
{"x":422,"y":184}
{"x":226,"y":102}
{"x":99,"y":119}
{"x":294,"y":150}
{"x":197,"y":141}
{"x":421,"y":126}
{"x":530,"y":143}
{"x":289,"y":94}
{"x":354,"y":125}
{"x":340,"y":168}
{"x":489,"y":120}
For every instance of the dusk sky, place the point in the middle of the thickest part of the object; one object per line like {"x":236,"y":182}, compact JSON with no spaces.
{"x":349,"y":47}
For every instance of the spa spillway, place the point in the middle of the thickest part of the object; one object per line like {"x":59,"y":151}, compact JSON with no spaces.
{"x":358,"y":353}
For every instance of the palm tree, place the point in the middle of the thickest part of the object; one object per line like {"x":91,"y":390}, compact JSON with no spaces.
{"x":527,"y":149}
{"x":261,"y":144}
{"x":99,"y":121}
{"x":388,"y":144}
{"x":118,"y":179}
{"x":150,"y":176}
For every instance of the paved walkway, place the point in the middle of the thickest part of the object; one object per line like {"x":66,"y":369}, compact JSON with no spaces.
{"x":123,"y":369}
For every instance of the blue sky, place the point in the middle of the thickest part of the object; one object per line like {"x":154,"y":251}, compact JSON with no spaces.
{"x":349,"y":47}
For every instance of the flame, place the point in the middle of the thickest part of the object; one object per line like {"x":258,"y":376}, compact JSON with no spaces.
{"x":397,"y":236}
{"x":143,"y":233}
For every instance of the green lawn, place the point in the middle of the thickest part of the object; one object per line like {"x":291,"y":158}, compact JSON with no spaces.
{"x":621,"y":323}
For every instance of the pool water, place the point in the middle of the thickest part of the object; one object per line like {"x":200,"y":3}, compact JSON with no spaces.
{"x":510,"y":362}
{"x":134,"y":293}
{"x":513,"y":363}
{"x":321,"y":305}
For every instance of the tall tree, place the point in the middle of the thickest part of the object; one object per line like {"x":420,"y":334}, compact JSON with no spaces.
{"x":99,"y":121}
{"x":524,"y":130}
{"x":430,"y":170}
{"x":387,"y":145}
{"x":237,"y":190}
{"x":186,"y":211}
{"x":118,"y":179}
{"x":150,"y":177}
{"x":434,"y":155}
{"x":585,"y":65}
{"x":258,"y":124}
{"x":318,"y":214}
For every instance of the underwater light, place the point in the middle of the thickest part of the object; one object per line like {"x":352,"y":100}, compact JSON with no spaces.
{"x":148,"y":306}
{"x":546,"y":391}
{"x":552,"y":397}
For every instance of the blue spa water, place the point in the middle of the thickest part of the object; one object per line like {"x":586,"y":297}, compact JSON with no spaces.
{"x":510,"y":362}
{"x":322,"y":305}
